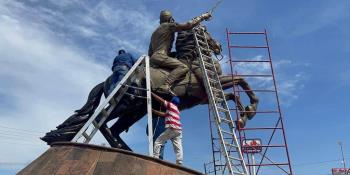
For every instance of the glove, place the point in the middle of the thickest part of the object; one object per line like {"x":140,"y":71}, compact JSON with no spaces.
{"x":206,"y":16}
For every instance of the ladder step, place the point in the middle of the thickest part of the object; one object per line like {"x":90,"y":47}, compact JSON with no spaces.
{"x":95,"y":124}
{"x":206,"y":56}
{"x":86,"y":135}
{"x":218,"y":99}
{"x":234,"y":158}
{"x":232,"y":145}
{"x":134,"y":87}
{"x":205,"y":50}
{"x":226,"y":132}
{"x":213,"y":80}
{"x":238,"y":173}
{"x":203,"y":43}
{"x":208,"y":60}
{"x":225,"y":120}
{"x":210,"y":71}
{"x":104,"y":113}
{"x":215,"y":89}
{"x":210,"y":65}
{"x":112,"y":102}
{"x":222,"y":109}
{"x":200,"y":36}
{"x":136,"y":96}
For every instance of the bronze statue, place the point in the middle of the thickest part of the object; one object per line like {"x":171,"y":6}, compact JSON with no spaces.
{"x":130,"y":110}
{"x":160,"y":47}
{"x":187,"y":53}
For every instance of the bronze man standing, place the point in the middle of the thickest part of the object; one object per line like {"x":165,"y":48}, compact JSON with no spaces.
{"x":161,"y":44}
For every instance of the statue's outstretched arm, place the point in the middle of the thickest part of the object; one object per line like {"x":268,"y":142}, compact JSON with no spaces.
{"x":192,"y":23}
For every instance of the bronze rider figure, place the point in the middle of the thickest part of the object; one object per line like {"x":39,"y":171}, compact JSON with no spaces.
{"x":161,"y":44}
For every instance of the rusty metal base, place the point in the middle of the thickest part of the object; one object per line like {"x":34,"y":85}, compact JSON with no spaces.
{"x":76,"y":158}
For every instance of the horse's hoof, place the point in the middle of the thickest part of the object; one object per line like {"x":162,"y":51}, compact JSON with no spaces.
{"x":240,"y":123}
{"x":250,"y":111}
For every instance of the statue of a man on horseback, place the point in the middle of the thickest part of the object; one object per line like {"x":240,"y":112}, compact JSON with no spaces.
{"x":160,"y":47}
{"x":169,"y":75}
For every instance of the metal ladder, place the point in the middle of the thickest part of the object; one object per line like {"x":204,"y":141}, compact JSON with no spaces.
{"x":97,"y":120}
{"x":234,"y":161}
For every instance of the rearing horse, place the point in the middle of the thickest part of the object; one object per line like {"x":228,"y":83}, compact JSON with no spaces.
{"x":130,"y":110}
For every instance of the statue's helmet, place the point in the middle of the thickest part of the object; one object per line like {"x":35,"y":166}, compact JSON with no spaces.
{"x":165,"y":16}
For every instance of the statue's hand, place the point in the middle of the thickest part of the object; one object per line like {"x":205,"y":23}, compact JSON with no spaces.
{"x":206,"y":16}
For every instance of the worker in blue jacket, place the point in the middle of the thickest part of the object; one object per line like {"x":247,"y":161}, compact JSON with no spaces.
{"x":121,"y":65}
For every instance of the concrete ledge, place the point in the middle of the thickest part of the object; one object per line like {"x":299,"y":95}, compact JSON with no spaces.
{"x":75,"y":158}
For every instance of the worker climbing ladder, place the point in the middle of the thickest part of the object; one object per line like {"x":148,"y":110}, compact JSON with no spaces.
{"x":97,"y":120}
{"x":230,"y":148}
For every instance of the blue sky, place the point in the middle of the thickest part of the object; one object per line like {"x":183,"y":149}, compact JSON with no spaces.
{"x":53,"y":52}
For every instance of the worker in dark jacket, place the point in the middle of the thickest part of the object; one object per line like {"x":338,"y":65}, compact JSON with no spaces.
{"x":121,"y":65}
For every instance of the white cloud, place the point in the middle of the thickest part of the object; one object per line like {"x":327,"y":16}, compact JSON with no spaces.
{"x":290,"y":79}
{"x":91,"y":25}
{"x":289,"y":83}
{"x":48,"y":64}
{"x":45,"y":79}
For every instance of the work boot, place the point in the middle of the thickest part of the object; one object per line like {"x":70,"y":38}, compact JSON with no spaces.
{"x":165,"y":89}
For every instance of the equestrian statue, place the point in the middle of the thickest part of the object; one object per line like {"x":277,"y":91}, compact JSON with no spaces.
{"x":187,"y":84}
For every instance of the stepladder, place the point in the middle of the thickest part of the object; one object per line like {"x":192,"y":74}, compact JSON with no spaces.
{"x":233,"y":162}
{"x":97,"y":121}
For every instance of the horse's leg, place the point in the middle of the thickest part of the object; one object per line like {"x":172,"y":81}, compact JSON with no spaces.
{"x":243,"y":115}
{"x":123,"y":124}
{"x":227,"y":82}
{"x":117,"y":128}
{"x":242,"y":111}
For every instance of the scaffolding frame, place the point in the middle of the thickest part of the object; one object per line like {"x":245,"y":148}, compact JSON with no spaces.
{"x":266,"y":160}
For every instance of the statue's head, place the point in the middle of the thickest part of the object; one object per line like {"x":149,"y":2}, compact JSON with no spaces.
{"x":165,"y":16}
{"x":121,"y":51}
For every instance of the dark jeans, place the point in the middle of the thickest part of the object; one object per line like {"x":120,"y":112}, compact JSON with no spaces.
{"x":118,"y":74}
{"x":158,"y":124}
{"x":158,"y":128}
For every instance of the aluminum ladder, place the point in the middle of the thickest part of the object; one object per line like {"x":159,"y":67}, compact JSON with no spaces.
{"x":234,"y":161}
{"x":97,"y":120}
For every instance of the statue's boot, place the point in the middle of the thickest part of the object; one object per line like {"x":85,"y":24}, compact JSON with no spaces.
{"x":165,"y":89}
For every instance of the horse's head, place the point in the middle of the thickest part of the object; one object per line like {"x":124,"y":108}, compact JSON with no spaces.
{"x":214,"y":45}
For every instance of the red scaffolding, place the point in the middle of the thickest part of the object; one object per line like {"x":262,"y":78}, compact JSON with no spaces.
{"x":273,"y":157}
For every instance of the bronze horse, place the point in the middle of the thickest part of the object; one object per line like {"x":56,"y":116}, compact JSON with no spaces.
{"x":130,"y":109}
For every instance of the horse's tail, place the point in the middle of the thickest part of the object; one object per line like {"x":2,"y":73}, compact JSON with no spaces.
{"x":93,"y":100}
